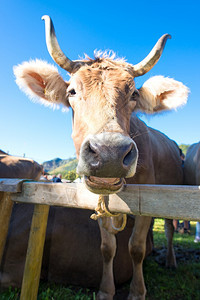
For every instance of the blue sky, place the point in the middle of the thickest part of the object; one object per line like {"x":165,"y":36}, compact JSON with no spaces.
{"x":130,"y":28}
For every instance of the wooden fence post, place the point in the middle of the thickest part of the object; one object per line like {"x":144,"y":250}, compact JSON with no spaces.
{"x":5,"y":212}
{"x":34,"y":255}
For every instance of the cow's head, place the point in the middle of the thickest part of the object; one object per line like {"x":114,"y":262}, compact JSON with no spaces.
{"x":102,"y":95}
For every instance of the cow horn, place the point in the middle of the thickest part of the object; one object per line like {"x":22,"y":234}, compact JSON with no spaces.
{"x":54,"y":49}
{"x":152,"y":58}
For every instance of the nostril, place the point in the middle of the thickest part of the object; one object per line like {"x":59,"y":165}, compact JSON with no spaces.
{"x":128,"y":158}
{"x":92,"y":148}
{"x":93,"y":155}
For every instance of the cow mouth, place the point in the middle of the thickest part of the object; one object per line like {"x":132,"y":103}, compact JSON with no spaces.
{"x":99,"y":185}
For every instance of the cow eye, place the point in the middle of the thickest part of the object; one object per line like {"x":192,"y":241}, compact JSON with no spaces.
{"x":71,"y":93}
{"x":135,"y":95}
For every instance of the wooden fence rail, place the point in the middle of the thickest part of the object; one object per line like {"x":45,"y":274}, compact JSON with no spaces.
{"x":162,"y":201}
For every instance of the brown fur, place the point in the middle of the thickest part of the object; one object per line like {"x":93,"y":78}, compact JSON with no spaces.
{"x":67,"y":231}
{"x":17,"y":167}
{"x":192,"y":165}
{"x":72,"y":248}
{"x":103,"y":98}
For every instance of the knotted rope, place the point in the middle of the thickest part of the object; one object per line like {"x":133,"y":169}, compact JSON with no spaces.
{"x":102,"y":211}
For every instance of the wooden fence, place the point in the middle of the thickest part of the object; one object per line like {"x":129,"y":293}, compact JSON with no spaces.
{"x":162,"y":201}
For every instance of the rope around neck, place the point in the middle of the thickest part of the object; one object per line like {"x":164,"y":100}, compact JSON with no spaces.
{"x":102,"y":211}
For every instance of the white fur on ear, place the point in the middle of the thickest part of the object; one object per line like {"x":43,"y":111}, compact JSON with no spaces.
{"x":172,"y":93}
{"x":34,"y":86}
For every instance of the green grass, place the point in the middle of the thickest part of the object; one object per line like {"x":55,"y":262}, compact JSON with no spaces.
{"x":50,"y":291}
{"x":183,"y":240}
{"x":53,"y":291}
{"x":182,"y":283}
{"x":163,"y":284}
{"x":172,"y":284}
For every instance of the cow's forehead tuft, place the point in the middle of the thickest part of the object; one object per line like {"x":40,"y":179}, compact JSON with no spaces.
{"x":115,"y":76}
{"x":106,"y":60}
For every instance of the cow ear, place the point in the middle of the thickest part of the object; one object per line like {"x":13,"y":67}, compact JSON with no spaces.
{"x":41,"y":81}
{"x":160,"y":93}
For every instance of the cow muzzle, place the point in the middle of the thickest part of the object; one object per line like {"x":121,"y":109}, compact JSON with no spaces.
{"x":105,"y":160}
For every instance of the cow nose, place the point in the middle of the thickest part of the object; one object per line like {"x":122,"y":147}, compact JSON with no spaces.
{"x":95,"y":151}
{"x":107,"y":155}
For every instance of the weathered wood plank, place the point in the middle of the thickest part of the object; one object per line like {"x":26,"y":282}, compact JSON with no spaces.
{"x":58,"y":194}
{"x":173,"y":202}
{"x":72,"y":195}
{"x":12,"y":185}
{"x":5,"y":212}
{"x":34,"y":255}
{"x":181,"y":202}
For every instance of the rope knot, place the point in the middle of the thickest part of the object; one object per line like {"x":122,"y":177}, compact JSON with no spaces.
{"x":102,"y":211}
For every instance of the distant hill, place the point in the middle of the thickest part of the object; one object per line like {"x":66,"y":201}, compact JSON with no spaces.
{"x":56,"y":163}
{"x":64,"y":168}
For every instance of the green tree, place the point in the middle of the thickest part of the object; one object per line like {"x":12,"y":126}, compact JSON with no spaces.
{"x":184,"y":147}
{"x":71,"y":175}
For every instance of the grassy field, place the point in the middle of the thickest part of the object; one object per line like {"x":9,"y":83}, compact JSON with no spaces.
{"x":182,"y":283}
{"x":163,"y":284}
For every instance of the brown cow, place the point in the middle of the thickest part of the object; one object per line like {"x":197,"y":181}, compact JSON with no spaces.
{"x":67,"y":231}
{"x":111,"y":143}
{"x":72,"y":248}
{"x":192,"y":165}
{"x":18,"y":167}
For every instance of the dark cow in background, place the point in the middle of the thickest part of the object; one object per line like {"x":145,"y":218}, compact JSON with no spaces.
{"x":72,"y":247}
{"x":192,"y":165}
{"x":112,"y":144}
{"x":18,"y":167}
{"x":72,"y":253}
{"x":192,"y":172}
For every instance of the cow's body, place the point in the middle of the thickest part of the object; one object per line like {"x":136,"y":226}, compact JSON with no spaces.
{"x":17,"y":167}
{"x":72,"y":248}
{"x":192,"y":165}
{"x":113,"y":146}
{"x":159,"y":160}
{"x":67,"y":231}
